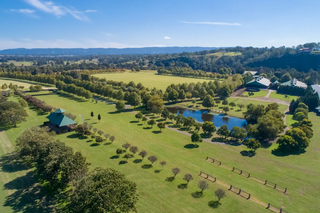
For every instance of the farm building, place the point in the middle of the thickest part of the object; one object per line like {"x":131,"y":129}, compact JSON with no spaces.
{"x":58,"y":122}
{"x":260,"y":82}
{"x":295,"y":83}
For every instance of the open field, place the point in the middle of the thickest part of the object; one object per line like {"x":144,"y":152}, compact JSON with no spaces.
{"x":261,"y":93}
{"x":297,"y":172}
{"x":220,"y":54}
{"x":19,"y":83}
{"x":20,"y":63}
{"x":149,"y":78}
{"x":289,"y":98}
{"x":235,"y":112}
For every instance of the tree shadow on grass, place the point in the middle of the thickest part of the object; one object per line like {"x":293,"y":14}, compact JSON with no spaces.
{"x":140,"y":124}
{"x":95,"y":144}
{"x":123,"y":162}
{"x":10,"y":163}
{"x":190,"y":146}
{"x":146,"y":166}
{"x":114,"y":157}
{"x":147,"y":127}
{"x":203,"y":135}
{"x":170,"y":179}
{"x":88,"y":141}
{"x":29,"y":195}
{"x":161,"y":120}
{"x":108,"y":143}
{"x":115,"y":112}
{"x":183,"y":186}
{"x":137,"y":161}
{"x":197,"y":194}
{"x":214,"y":204}
{"x":157,"y":171}
{"x":247,"y":153}
{"x":134,"y":122}
{"x":283,"y":154}
{"x":156,"y":131}
{"x":74,"y":135}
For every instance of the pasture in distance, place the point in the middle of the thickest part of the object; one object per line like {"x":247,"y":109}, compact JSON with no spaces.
{"x":149,"y":78}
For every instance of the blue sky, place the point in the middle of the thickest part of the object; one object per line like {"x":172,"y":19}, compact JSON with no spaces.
{"x":142,"y":23}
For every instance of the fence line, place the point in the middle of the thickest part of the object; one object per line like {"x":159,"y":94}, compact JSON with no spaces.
{"x":276,"y":209}
{"x":207,"y":176}
{"x":248,"y":175}
{"x":214,"y":161}
{"x":240,"y":192}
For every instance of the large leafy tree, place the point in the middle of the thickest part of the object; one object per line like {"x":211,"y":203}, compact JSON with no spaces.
{"x":253,"y":113}
{"x":58,"y":165}
{"x":208,"y":127}
{"x":208,"y":101}
{"x":31,"y":140}
{"x":104,"y":190}
{"x":223,"y":131}
{"x":253,"y":144}
{"x":195,"y":138}
{"x":120,"y":105}
{"x":155,"y":104}
{"x":134,"y":99}
{"x":300,"y":137}
{"x":13,"y":116}
{"x":238,"y":133}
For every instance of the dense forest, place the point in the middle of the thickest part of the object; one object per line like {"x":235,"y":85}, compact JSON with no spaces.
{"x":300,"y":62}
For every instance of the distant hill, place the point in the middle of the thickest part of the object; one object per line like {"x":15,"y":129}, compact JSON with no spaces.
{"x":102,"y":51}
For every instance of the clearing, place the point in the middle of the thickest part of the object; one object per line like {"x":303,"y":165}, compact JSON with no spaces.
{"x":149,"y":78}
{"x":283,"y":97}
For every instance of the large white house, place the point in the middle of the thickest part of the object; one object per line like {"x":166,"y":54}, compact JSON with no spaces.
{"x":316,"y":89}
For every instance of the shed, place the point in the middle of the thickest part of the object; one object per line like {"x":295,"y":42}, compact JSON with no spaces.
{"x":260,"y":82}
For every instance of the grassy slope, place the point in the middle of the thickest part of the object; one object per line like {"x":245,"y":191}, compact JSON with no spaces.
{"x":282,"y":97}
{"x":261,"y":93}
{"x":20,"y":63}
{"x":13,"y":178}
{"x":235,"y":112}
{"x":219,"y":54}
{"x":148,"y":78}
{"x":298,"y":173}
{"x":3,"y":81}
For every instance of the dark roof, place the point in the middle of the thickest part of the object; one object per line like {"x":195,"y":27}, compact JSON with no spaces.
{"x":59,"y":119}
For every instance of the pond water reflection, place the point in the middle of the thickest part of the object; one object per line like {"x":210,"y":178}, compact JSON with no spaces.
{"x":202,"y":115}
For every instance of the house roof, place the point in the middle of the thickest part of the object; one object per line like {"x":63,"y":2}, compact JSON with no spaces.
{"x":251,"y":72}
{"x":316,"y":88}
{"x":260,"y":80}
{"x":60,"y":119}
{"x":59,"y":111}
{"x":295,"y":83}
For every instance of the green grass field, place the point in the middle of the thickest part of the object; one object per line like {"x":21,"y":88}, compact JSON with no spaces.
{"x":300,"y":173}
{"x":261,"y":93}
{"x":20,"y":63}
{"x":220,"y":54}
{"x":148,"y":78}
{"x":289,"y":98}
{"x":19,"y":83}
{"x":235,"y":112}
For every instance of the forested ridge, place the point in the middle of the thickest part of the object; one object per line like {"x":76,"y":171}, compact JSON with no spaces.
{"x":293,"y":60}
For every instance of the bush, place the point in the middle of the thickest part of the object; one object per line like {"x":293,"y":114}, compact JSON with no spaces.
{"x":99,"y":139}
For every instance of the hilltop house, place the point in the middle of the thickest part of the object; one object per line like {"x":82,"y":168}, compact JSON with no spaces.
{"x":295,"y":83}
{"x":58,"y":122}
{"x":260,"y":82}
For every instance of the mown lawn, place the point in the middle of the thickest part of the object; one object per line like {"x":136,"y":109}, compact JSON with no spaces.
{"x":20,"y":63}
{"x":283,"y":97}
{"x":261,"y":93}
{"x":300,"y":173}
{"x":149,"y":79}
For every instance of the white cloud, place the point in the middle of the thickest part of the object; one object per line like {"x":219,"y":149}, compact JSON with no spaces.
{"x":27,"y":11}
{"x":91,"y":11}
{"x":57,"y":10}
{"x":211,"y":23}
{"x":167,"y":37}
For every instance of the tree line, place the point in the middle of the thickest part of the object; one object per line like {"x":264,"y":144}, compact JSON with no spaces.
{"x":58,"y":167}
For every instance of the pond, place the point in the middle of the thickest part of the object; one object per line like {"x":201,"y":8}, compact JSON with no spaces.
{"x":202,"y":116}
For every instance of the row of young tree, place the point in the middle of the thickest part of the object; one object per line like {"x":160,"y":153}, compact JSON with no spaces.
{"x":73,"y":89}
{"x":58,"y":167}
{"x":41,"y":105}
{"x":203,"y":185}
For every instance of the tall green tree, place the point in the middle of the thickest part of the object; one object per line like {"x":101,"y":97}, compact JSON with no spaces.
{"x":223,"y":131}
{"x":208,"y":127}
{"x":104,"y":190}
